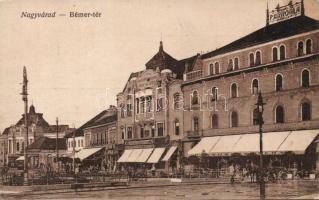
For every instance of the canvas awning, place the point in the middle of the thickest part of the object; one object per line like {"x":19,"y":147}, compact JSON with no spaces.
{"x":20,"y":158}
{"x":124,"y":157}
{"x":156,"y":155}
{"x":134,"y":155}
{"x":298,"y":141}
{"x":169,"y":153}
{"x":273,"y":142}
{"x":85,"y":153}
{"x":144,"y":155}
{"x":224,"y":145}
{"x":204,"y":146}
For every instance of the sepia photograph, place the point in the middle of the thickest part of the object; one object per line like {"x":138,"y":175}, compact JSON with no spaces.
{"x":159,"y":99}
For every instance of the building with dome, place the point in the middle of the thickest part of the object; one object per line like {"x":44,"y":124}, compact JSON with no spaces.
{"x":205,"y":104}
{"x":12,"y":139}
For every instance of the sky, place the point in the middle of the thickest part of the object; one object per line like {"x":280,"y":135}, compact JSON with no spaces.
{"x":76,"y":66}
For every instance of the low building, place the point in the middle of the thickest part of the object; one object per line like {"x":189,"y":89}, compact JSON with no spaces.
{"x":44,"y":151}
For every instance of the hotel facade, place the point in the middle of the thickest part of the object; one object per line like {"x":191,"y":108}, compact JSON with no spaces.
{"x":176,"y":109}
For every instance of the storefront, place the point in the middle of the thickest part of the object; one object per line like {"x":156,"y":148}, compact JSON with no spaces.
{"x":290,"y":149}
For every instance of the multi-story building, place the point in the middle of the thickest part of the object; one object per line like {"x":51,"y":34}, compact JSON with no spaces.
{"x":94,"y":143}
{"x":13,"y":136}
{"x":211,"y":97}
{"x":101,"y":135}
{"x":281,"y":61}
{"x":144,"y":113}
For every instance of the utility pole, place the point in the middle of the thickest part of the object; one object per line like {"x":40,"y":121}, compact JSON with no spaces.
{"x":56,"y":143}
{"x":26,"y":136}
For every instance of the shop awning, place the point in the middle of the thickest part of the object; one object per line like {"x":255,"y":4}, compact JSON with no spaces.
{"x":298,"y":141}
{"x":156,"y":155}
{"x":125,"y":156}
{"x":85,"y":153}
{"x":134,"y":155}
{"x":144,"y":155}
{"x":20,"y":158}
{"x":169,"y":153}
{"x":273,"y":142}
{"x":204,"y":146}
{"x":224,"y":145}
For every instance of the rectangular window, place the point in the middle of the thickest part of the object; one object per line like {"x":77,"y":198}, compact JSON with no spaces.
{"x":123,"y":133}
{"x":81,"y":143}
{"x":177,"y":128}
{"x":129,"y":132}
{"x":148,"y":104}
{"x":129,"y":110}
{"x":137,"y":106}
{"x":160,"y":129}
{"x":106,"y":137}
{"x":142,"y":105}
{"x":153,"y":131}
{"x":142,"y":132}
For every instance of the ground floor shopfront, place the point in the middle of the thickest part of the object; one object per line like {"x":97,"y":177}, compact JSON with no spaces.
{"x":150,"y":156}
{"x":294,"y":151}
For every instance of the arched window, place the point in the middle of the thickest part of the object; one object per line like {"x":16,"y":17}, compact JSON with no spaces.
{"x":177,"y":101}
{"x":300,"y":48}
{"x":214,"y":94}
{"x":258,"y":58}
{"x":211,"y":69}
{"x":251,"y":60}
{"x":195,"y":100}
{"x":282,"y":52}
{"x":305,"y":78}
{"x":308,"y":46}
{"x":275,"y":54}
{"x":236,"y":64}
{"x":234,"y":119}
{"x":176,"y":125}
{"x":234,"y":90}
{"x":196,"y":124}
{"x":279,"y":81}
{"x":217,"y":68}
{"x":255,"y":86}
{"x":214,"y":121}
{"x":230,"y":65}
{"x":279,"y":114}
{"x":305,"y":111}
{"x":255,"y":117}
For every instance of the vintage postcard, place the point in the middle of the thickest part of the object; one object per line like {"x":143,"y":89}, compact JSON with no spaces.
{"x":150,"y":99}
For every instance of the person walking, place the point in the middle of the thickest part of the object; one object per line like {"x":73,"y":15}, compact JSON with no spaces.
{"x":232,"y":173}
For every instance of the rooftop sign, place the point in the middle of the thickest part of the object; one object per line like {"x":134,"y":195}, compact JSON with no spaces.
{"x":285,"y":12}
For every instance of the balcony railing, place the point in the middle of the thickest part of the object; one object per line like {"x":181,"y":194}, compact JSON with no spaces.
{"x":193,"y":75}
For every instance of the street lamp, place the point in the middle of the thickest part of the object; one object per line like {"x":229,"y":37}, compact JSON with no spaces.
{"x":260,"y":107}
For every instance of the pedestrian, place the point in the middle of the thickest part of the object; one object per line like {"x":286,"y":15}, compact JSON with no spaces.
{"x":232,"y":173}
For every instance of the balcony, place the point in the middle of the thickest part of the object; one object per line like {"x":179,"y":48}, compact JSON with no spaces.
{"x":194,"y":75}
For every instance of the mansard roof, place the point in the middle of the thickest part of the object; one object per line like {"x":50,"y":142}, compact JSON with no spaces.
{"x":269,"y":33}
{"x":33,"y":118}
{"x":161,"y":60}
